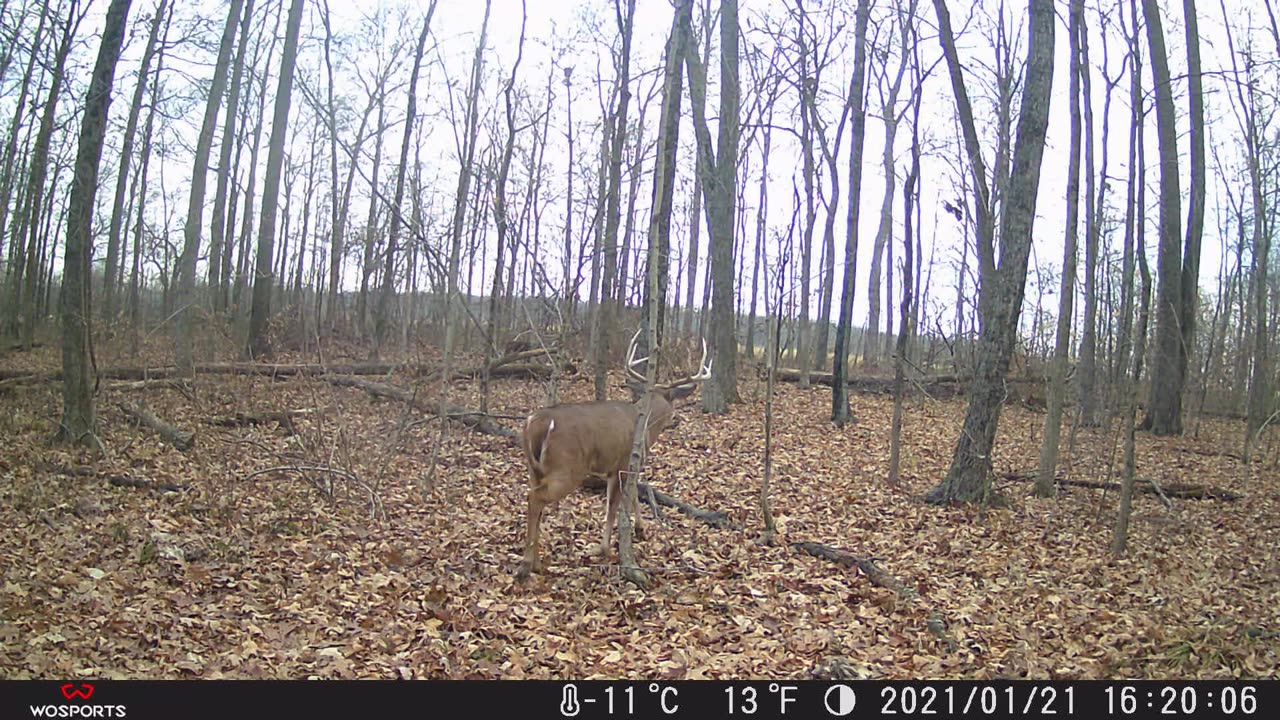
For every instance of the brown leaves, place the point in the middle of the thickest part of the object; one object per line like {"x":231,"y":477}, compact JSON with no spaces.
{"x":289,"y":575}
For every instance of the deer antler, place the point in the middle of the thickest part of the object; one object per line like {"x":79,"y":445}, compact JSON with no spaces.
{"x":632,"y":362}
{"x":704,"y":372}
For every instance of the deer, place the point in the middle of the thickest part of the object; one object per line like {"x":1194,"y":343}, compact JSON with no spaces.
{"x":567,"y":443}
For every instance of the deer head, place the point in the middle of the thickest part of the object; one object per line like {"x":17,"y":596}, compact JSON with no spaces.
{"x":565,"y":444}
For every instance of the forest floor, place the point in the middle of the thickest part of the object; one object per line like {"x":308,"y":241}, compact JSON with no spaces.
{"x":372,"y":568}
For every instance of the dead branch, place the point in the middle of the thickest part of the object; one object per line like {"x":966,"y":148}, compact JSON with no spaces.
{"x":180,"y":439}
{"x":112,"y":479}
{"x":714,"y":518}
{"x":479,"y":422}
{"x":283,"y":418}
{"x":181,"y":385}
{"x":129,"y":482}
{"x":846,"y":559}
{"x":1185,"y":491}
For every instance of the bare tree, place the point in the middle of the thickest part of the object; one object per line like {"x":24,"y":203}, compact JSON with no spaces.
{"x":1044,"y":486}
{"x":79,"y":421}
{"x":383,"y":309}
{"x":602,"y":323}
{"x":264,"y":279}
{"x":839,"y":388}
{"x":719,"y":178}
{"x":118,"y":212}
{"x":1164,"y":407}
{"x":26,"y":271}
{"x":219,"y":239}
{"x":1000,"y":302}
{"x":195,"y":203}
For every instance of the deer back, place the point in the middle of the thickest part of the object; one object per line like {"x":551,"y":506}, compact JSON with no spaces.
{"x":592,"y":437}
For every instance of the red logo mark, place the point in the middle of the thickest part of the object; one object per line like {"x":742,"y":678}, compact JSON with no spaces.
{"x":84,"y":691}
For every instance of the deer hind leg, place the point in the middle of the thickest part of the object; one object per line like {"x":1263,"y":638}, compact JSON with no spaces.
{"x":548,"y":490}
{"x":531,"y":563}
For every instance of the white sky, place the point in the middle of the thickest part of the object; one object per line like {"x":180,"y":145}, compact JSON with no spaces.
{"x":559,"y":35}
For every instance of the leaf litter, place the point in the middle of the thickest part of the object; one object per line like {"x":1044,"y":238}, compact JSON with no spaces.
{"x":372,"y":573}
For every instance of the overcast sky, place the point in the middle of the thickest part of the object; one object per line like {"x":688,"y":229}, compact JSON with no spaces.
{"x":579,"y":34}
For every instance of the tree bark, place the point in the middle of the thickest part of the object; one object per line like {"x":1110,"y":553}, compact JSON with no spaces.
{"x":1066,"y":293}
{"x":844,"y":326}
{"x":79,"y":421}
{"x":1164,"y":406}
{"x":183,"y":350}
{"x":264,"y":280}
{"x":969,"y":477}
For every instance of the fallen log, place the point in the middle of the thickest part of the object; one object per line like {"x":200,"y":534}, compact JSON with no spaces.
{"x":938,"y":386}
{"x":129,"y":482}
{"x":180,"y":384}
{"x":936,"y":625}
{"x":178,"y":438}
{"x":231,"y":368}
{"x":124,"y":481}
{"x":283,"y":418}
{"x":1186,"y":491}
{"x":478,"y":421}
{"x":714,"y":518}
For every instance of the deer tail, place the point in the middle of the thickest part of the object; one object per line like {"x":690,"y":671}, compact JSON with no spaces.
{"x":535,"y":458}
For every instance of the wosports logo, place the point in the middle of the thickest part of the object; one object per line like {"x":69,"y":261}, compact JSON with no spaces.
{"x":77,"y":696}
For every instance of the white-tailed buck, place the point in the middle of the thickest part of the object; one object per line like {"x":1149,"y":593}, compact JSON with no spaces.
{"x":567,"y":443}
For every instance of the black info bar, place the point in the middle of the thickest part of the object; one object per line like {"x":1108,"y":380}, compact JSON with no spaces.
{"x":588,"y":700}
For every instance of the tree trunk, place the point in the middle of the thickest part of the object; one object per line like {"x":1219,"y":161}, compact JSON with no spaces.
{"x":79,"y":422}
{"x":909,"y":193}
{"x":118,"y":209}
{"x":264,"y":281}
{"x":1164,"y":407}
{"x":26,"y":271}
{"x":385,"y":297}
{"x":839,"y":390}
{"x":602,"y":327}
{"x":884,"y":232}
{"x":719,"y":176}
{"x":969,"y":477}
{"x":1190,"y":285}
{"x":664,"y":180}
{"x":1066,"y":294}
{"x":183,"y":350}
{"x":1095,"y":196}
{"x":219,"y":245}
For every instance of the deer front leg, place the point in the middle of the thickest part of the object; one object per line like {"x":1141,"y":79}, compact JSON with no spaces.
{"x":636,"y":530}
{"x":613,"y":496}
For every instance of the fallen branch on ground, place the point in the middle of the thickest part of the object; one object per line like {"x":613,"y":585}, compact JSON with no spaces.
{"x":181,"y":385}
{"x":714,"y":518}
{"x":114,"y":480}
{"x":180,"y":439}
{"x":479,"y":422}
{"x":846,"y":559}
{"x":284,"y":418}
{"x":1185,"y":491}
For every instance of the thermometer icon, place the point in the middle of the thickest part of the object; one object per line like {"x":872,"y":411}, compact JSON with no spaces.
{"x":569,"y":701}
